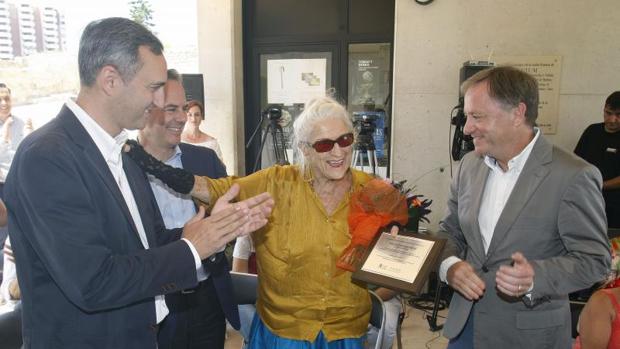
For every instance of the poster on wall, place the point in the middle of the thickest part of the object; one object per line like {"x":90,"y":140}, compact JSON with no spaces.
{"x":547,"y":70}
{"x":291,"y":81}
{"x":364,"y":80}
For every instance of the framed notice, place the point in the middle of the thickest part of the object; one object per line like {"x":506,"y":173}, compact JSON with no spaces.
{"x":291,"y":81}
{"x":400,"y":262}
{"x":547,"y":71}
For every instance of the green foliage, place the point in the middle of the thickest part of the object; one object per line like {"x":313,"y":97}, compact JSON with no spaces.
{"x":141,"y":12}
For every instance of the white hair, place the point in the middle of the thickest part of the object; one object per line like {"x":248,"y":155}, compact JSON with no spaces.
{"x":316,"y":111}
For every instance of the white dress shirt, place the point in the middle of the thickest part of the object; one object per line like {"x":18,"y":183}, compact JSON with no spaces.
{"x":497,"y":190}
{"x":111,"y":149}
{"x":176,"y":209}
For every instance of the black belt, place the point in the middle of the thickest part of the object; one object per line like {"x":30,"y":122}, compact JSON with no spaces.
{"x":193,"y":297}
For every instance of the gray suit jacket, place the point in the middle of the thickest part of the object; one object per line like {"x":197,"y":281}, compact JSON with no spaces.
{"x":555,"y":216}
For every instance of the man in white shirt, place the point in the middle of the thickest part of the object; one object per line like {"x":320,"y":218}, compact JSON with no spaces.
{"x":12,"y":131}
{"x":198,"y":315}
{"x":525,"y":223}
{"x":93,"y":256}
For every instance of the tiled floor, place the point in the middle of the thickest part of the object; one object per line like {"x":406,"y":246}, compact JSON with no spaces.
{"x":415,"y":333}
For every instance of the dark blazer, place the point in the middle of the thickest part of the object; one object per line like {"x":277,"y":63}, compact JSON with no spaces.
{"x":555,"y":217}
{"x":86,"y":280}
{"x":203,"y":161}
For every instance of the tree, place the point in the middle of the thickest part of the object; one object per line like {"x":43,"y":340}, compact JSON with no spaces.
{"x":140,"y":11}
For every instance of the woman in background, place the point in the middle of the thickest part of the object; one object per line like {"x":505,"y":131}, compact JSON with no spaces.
{"x":599,"y":322}
{"x":192,"y":133}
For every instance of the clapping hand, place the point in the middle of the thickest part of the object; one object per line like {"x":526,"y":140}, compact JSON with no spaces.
{"x":227,"y":221}
{"x":258,"y":207}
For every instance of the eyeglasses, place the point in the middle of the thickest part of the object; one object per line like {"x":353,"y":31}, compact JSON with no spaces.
{"x":325,"y":145}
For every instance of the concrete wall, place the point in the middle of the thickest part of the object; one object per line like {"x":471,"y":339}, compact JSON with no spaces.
{"x":432,"y":42}
{"x":220,"y":61}
{"x":430,"y":45}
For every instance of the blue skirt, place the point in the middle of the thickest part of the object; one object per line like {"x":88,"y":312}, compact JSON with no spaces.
{"x":262,"y":338}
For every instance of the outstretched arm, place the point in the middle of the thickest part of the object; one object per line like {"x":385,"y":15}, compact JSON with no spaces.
{"x":613,"y":183}
{"x":178,"y":179}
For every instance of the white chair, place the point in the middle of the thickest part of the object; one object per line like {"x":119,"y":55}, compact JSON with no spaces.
{"x":377,"y":317}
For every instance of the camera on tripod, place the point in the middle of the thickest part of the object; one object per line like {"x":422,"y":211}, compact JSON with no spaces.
{"x":365,"y":124}
{"x":273,"y":113}
{"x":364,"y":150}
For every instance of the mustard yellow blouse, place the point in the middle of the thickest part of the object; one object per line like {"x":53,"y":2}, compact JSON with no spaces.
{"x":300,"y":290}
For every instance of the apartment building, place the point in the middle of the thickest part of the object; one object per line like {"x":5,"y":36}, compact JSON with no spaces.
{"x":26,"y":28}
{"x":6,"y":42}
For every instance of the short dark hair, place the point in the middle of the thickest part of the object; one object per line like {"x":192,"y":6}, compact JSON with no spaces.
{"x":194,"y":103}
{"x":114,"y":41}
{"x":174,"y":75}
{"x":509,"y":86}
{"x":3,"y":85}
{"x":613,"y":101}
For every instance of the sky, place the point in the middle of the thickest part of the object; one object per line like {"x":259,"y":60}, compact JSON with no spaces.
{"x":175,"y":21}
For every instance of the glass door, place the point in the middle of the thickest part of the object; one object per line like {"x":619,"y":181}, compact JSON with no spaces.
{"x":369,"y":92}
{"x":287,"y":81}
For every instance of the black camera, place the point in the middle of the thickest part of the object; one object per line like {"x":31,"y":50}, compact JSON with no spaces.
{"x":365,"y":126}
{"x":364,"y":123}
{"x":273,"y":113}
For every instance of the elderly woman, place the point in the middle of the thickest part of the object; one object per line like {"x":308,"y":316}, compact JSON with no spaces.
{"x":303,"y":299}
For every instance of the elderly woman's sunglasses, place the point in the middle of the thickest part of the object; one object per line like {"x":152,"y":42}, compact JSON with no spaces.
{"x":325,"y":145}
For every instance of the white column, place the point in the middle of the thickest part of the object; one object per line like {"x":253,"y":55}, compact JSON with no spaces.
{"x":220,"y":61}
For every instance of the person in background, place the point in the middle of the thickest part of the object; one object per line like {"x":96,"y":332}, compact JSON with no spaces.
{"x":192,"y":133}
{"x":93,"y":256}
{"x":525,"y":223}
{"x":599,"y":321}
{"x":6,"y":257}
{"x":9,"y":289}
{"x":600,"y":145}
{"x":12,"y":131}
{"x":196,"y":318}
{"x":304,"y":300}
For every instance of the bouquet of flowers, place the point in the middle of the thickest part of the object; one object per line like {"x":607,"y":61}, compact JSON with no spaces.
{"x":417,"y":207}
{"x":613,"y":279}
{"x":377,"y":205}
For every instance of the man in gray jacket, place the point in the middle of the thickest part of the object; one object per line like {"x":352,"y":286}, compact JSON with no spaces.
{"x":525,"y":223}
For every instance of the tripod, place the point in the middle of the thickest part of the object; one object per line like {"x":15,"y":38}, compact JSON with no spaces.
{"x":277,"y":136}
{"x":365,"y":144}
